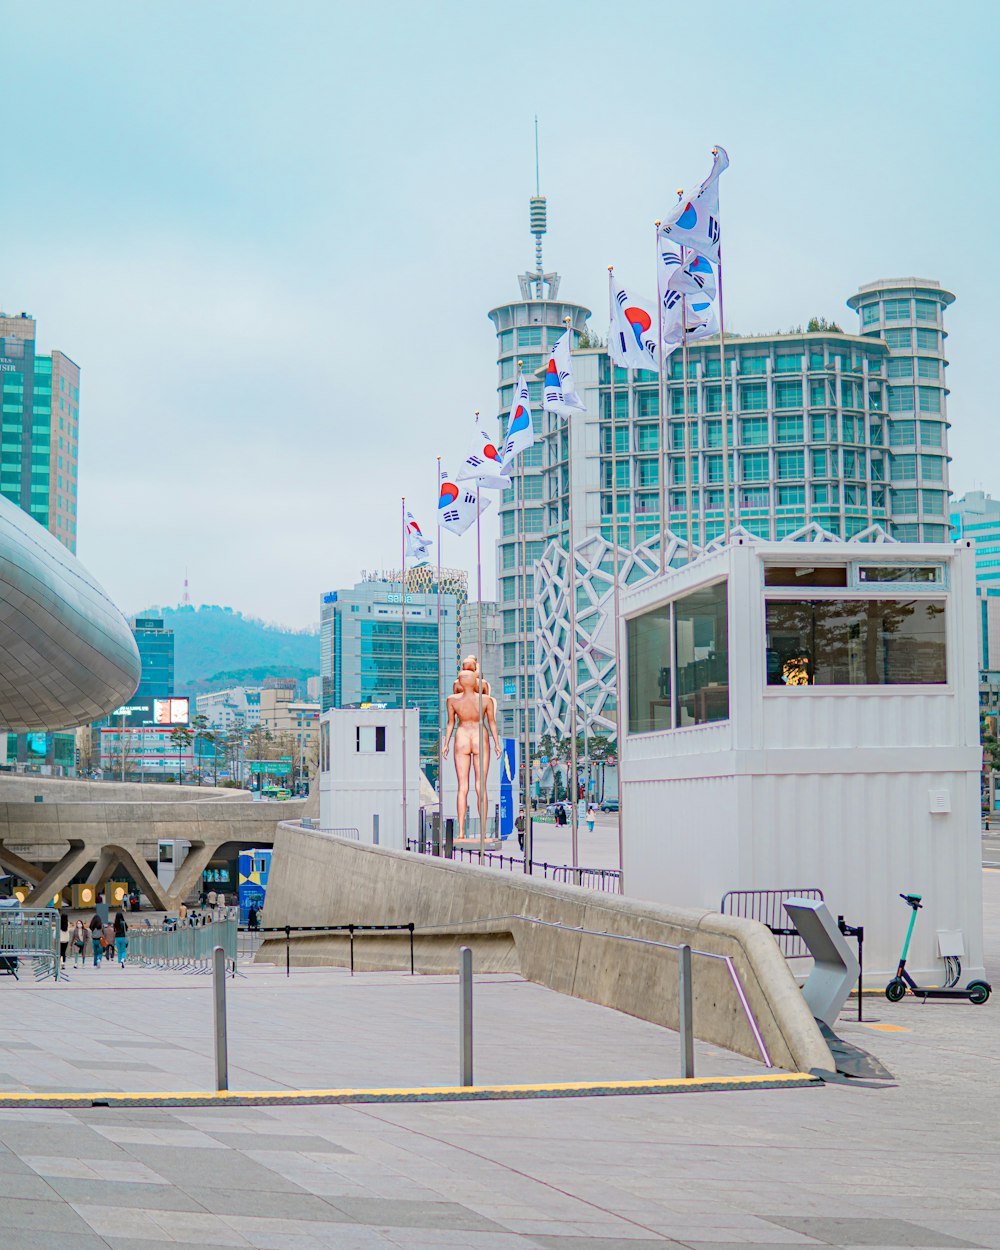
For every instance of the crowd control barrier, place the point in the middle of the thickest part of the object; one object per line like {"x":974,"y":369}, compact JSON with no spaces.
{"x":186,"y":948}
{"x":30,"y":933}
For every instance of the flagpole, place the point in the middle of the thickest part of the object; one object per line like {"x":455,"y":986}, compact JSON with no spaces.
{"x":524,"y":657}
{"x":687,"y":424}
{"x":572,"y":634}
{"x":725,"y":406}
{"x":402,"y":601}
{"x":482,"y":677}
{"x":614,"y":542}
{"x":441,"y":698}
{"x":662,"y":474}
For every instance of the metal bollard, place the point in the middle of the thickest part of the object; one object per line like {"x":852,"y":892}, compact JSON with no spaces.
{"x":685,"y":1015}
{"x":465,"y":1014}
{"x":221,"y":1041}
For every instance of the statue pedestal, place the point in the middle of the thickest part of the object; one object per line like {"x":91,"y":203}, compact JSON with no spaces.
{"x":491,"y":844}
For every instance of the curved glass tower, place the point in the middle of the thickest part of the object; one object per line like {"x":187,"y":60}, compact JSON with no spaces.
{"x":526,"y":330}
{"x":908,"y":313}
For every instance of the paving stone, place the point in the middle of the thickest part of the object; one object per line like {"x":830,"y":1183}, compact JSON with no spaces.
{"x":860,"y":1231}
{"x":291,"y":1206}
{"x":26,"y":1239}
{"x":39,"y":1214}
{"x":278,"y":1141}
{"x":602,"y":1243}
{"x":398,"y":1213}
{"x":125,"y":1194}
{"x":215,"y":1169}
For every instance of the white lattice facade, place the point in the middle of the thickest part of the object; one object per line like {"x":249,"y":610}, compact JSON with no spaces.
{"x":596,"y":692}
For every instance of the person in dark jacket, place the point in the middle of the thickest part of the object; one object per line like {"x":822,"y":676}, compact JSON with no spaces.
{"x":121,"y":942}
{"x":96,"y":925}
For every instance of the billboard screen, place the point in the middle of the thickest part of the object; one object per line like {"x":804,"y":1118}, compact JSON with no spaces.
{"x":172,"y":711}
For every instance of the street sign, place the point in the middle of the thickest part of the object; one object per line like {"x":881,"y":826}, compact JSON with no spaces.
{"x":270,"y":768}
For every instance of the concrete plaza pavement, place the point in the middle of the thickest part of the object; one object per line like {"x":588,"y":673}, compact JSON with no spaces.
{"x":910,"y":1163}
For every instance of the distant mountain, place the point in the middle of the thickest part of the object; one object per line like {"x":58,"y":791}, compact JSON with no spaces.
{"x":217,"y":647}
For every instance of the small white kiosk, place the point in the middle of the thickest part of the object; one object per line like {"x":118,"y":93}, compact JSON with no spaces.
{"x":361,"y":773}
{"x":805,"y":715}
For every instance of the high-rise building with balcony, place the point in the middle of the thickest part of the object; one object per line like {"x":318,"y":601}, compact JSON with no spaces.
{"x":40,"y":428}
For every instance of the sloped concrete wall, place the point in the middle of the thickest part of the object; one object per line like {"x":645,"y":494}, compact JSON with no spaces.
{"x":319,"y":879}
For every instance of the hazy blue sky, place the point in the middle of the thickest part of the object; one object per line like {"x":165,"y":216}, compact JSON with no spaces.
{"x":269,"y":232}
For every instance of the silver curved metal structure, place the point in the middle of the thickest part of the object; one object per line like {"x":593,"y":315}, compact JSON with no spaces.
{"x":67,"y":655}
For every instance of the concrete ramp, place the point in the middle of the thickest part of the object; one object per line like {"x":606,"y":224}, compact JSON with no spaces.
{"x":320,"y":879}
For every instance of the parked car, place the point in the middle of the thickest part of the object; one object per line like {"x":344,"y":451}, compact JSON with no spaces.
{"x":609,"y":805}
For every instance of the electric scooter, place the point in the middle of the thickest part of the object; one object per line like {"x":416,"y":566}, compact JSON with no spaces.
{"x":976,"y":991}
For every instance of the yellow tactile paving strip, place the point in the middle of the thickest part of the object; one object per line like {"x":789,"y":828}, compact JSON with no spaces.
{"x":446,"y":1093}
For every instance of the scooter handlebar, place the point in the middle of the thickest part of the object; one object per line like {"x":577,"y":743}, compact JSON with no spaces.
{"x":912,"y":900}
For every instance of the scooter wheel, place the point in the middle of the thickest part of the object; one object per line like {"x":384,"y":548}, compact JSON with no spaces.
{"x":979,"y":992}
{"x":895,"y":990}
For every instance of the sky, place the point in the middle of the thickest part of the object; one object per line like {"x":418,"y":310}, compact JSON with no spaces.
{"x":269,"y":232}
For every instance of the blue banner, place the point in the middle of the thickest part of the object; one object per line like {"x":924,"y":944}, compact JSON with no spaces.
{"x":508,"y":787}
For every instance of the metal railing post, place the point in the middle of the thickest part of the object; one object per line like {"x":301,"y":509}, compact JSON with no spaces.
{"x":288,"y":950}
{"x":221,"y":1041}
{"x":685,"y":1014}
{"x":465,"y":1014}
{"x":410,"y":926}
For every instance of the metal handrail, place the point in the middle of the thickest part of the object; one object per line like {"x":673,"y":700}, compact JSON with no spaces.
{"x":605,"y":880}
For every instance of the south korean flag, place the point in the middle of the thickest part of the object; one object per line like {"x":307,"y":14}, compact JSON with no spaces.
{"x":459,"y":504}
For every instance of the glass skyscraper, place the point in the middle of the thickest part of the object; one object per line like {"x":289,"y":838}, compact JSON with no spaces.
{"x":361,"y":652}
{"x":156,"y":650}
{"x":40,"y":429}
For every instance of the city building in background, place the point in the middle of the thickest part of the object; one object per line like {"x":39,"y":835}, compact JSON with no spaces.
{"x":361,"y":651}
{"x":527,"y":330}
{"x":907,"y":314}
{"x":296,"y":721}
{"x":156,"y":650}
{"x":40,"y":429}
{"x":976,"y":516}
{"x":841,"y":431}
{"x":314,"y":688}
{"x":225,"y":709}
{"x":491,"y":655}
{"x":147,"y":753}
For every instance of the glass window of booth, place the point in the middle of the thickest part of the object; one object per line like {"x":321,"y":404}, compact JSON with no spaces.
{"x":856,"y":642}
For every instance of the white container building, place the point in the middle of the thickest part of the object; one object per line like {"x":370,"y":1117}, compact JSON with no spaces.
{"x":805,"y":715}
{"x":361,"y":773}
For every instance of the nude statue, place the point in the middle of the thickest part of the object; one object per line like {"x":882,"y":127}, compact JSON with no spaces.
{"x":469,"y":676}
{"x":471,"y":702}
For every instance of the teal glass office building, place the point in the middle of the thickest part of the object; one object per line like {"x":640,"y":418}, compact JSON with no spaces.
{"x":361,"y":653}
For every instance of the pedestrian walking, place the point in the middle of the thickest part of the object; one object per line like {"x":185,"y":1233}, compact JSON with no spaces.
{"x":519,"y":826}
{"x":63,"y":937}
{"x":253,"y":920}
{"x":591,"y":817}
{"x":108,"y":938}
{"x":80,"y":932}
{"x":96,"y":938}
{"x":182,"y":912}
{"x":121,"y":941}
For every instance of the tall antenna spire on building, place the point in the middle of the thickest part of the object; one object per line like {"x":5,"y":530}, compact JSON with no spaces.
{"x":534,"y":284}
{"x":186,"y":598}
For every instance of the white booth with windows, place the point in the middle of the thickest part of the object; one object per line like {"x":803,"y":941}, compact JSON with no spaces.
{"x":361,"y":773}
{"x":804,"y":715}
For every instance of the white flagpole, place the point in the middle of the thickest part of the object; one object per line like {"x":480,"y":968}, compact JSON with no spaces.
{"x":687,"y":423}
{"x":441,"y":694}
{"x":614,"y":541}
{"x":663,"y":418}
{"x":402,"y":601}
{"x":482,"y":678}
{"x":725,"y":415}
{"x":572,"y":635}
{"x":526,"y":767}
